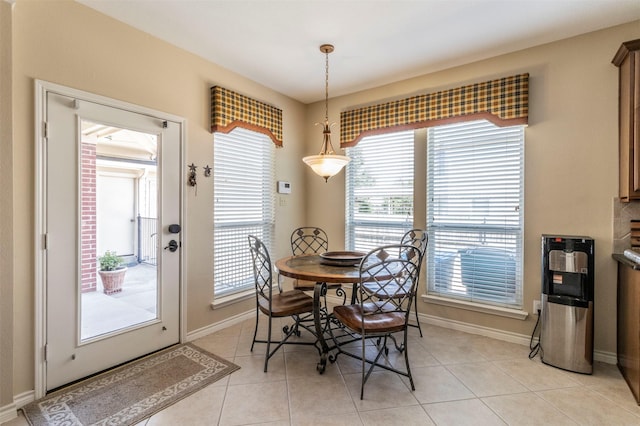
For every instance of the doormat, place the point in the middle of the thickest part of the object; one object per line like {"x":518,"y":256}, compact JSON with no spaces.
{"x":132,"y":392}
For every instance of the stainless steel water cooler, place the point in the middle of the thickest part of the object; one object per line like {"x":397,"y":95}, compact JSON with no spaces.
{"x":566,"y":334}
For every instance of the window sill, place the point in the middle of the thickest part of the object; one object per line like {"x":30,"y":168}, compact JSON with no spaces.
{"x":476,"y":307}
{"x":221,"y":302}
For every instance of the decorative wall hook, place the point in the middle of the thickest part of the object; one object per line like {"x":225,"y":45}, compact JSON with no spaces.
{"x":192,"y":176}
{"x":207,"y":171}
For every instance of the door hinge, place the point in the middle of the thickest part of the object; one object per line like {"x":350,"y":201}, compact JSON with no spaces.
{"x":46,"y":351}
{"x":45,"y":129}
{"x":45,"y":241}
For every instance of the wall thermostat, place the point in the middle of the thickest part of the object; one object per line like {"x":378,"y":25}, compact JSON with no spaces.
{"x":284,"y":187}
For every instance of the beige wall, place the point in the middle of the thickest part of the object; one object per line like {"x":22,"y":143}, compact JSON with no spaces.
{"x":570,"y":160}
{"x":6,"y":215}
{"x":571,"y":151}
{"x":69,"y":44}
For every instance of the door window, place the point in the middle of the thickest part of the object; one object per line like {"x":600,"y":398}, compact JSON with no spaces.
{"x":118,"y":232}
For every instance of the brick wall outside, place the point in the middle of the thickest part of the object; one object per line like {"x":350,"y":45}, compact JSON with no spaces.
{"x":88,"y":218}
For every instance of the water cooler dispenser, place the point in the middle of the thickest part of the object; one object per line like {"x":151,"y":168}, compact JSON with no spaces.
{"x":566,"y":335}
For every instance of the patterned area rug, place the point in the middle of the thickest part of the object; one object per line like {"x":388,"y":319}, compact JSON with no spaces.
{"x":132,"y":392}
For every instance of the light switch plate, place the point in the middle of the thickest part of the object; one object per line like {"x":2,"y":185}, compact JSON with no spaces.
{"x":284,"y":187}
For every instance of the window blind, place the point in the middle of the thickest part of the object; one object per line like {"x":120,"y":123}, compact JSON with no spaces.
{"x":379,"y":191}
{"x":243,"y":181}
{"x":475,"y":194}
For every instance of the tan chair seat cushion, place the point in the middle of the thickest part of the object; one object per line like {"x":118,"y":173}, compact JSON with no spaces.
{"x":287,"y":303}
{"x":387,"y":322}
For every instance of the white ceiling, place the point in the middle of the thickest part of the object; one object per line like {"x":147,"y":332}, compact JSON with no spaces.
{"x":276,"y":42}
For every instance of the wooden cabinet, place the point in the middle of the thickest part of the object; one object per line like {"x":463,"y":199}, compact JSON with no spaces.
{"x":629,"y":323}
{"x":627,"y":59}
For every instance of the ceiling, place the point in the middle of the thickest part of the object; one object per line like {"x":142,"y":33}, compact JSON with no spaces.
{"x":276,"y":42}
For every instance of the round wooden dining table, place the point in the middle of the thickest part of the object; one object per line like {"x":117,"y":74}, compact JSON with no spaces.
{"x":312,"y":267}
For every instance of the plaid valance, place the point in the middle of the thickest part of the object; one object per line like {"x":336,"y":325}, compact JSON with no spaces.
{"x":504,"y":102}
{"x":230,"y":110}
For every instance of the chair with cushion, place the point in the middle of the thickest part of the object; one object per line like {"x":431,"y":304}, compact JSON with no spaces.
{"x":419,"y":239}
{"x":380,"y":313}
{"x":275,"y":304}
{"x":309,"y":240}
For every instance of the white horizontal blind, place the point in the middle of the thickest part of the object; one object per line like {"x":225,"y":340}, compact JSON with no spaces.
{"x":475,"y":195}
{"x":379,"y":190}
{"x":243,"y":181}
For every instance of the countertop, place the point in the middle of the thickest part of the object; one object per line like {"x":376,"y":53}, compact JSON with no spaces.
{"x":622,"y":259}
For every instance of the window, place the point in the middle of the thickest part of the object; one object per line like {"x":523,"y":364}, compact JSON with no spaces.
{"x":475,"y":197}
{"x":379,"y":190}
{"x":243,"y":181}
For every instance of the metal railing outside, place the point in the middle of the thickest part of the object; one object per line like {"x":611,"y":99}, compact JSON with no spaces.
{"x":147,"y":240}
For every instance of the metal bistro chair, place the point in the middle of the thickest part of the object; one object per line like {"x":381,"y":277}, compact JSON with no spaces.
{"x":313,"y":240}
{"x":416,"y":238}
{"x":383,"y":312}
{"x":278,"y":304}
{"x":309,"y":240}
{"x":419,"y":239}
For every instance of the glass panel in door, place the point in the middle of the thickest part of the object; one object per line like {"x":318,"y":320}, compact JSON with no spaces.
{"x":118,"y":229}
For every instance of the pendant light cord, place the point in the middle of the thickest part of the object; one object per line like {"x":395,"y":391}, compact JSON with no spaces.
{"x":326,"y":87}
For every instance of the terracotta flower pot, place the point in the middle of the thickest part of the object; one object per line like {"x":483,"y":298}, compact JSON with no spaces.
{"x":112,"y":280}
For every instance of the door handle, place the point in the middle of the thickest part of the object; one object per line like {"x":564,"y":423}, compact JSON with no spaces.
{"x":173,"y":246}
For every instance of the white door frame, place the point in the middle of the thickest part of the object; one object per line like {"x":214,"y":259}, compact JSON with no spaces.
{"x":40,"y":305}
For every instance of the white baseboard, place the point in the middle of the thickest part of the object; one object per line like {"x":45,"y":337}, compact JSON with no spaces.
{"x":10,"y":411}
{"x":24,"y":398}
{"x":475,"y":329}
{"x":606,"y":357}
{"x":228,"y":322}
{"x":521,"y":339}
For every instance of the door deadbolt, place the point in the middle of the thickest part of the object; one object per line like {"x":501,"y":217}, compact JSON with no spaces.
{"x":173,"y":246}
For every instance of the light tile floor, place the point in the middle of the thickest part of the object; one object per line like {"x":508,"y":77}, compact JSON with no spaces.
{"x":460,"y":379}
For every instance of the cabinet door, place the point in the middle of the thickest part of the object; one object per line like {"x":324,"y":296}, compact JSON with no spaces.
{"x":628,"y":60}
{"x":633,"y":127}
{"x":629,"y":327}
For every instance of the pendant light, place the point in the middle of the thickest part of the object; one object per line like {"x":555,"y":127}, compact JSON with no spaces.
{"x":326,"y":163}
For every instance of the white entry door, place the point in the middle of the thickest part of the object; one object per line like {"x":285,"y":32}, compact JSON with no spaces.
{"x":90,"y":327}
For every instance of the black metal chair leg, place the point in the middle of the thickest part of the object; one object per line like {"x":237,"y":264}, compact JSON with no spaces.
{"x":267,"y":355}
{"x":364,"y":350}
{"x":406,"y":361}
{"x":255,"y":330}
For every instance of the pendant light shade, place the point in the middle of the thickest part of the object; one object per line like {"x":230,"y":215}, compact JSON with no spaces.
{"x":326,"y":163}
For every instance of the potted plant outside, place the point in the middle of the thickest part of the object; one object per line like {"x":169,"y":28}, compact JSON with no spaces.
{"x":111,"y":272}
